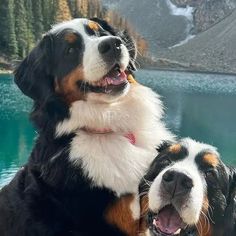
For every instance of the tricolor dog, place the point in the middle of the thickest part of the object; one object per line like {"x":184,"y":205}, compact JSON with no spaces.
{"x":189,"y":191}
{"x":97,"y":129}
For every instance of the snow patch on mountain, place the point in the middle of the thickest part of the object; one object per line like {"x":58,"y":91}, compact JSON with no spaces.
{"x":180,"y":11}
{"x":189,"y":37}
{"x":186,"y":12}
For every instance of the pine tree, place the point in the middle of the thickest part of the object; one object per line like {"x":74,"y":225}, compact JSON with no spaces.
{"x":38,"y":19}
{"x":83,"y":8}
{"x":29,"y":15}
{"x":21,"y":27}
{"x":12,"y":46}
{"x":63,"y":11}
{"x":8,"y":42}
{"x":73,"y":8}
{"x":49,"y":13}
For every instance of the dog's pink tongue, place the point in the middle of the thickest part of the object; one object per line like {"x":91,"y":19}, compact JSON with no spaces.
{"x":117,"y":79}
{"x":168,"y":220}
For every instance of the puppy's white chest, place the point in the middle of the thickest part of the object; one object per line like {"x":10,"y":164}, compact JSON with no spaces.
{"x":111,"y":160}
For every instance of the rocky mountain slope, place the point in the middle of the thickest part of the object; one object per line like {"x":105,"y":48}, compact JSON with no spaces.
{"x":186,"y":34}
{"x":153,"y":20}
{"x":207,"y":13}
{"x":165,"y":23}
{"x":214,"y":49}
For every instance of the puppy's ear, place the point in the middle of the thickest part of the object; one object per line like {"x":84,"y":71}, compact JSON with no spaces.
{"x":104,"y":24}
{"x":32,"y":76}
{"x":164,"y":145}
{"x":127,"y":40}
{"x":230,"y":212}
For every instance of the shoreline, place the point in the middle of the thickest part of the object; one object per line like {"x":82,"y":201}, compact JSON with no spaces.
{"x":5,"y":72}
{"x":190,"y":70}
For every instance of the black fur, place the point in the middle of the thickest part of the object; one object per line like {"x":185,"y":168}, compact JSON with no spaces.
{"x":49,"y":196}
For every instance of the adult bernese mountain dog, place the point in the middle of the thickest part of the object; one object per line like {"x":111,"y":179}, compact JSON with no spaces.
{"x":188,"y":190}
{"x":98,"y":130}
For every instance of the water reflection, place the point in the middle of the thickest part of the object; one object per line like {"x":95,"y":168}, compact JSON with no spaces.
{"x":197,"y":105}
{"x":17,"y":133}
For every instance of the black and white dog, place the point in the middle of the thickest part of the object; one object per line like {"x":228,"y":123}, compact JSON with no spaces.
{"x":189,"y":191}
{"x":96,"y":129}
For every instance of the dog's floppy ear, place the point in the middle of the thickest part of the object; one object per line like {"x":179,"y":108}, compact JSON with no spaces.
{"x":32,"y":76}
{"x":104,"y":24}
{"x":164,"y":145}
{"x":230,"y":212}
{"x":127,"y":40}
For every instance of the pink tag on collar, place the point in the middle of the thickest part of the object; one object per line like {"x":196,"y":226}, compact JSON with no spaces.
{"x":131,"y":138}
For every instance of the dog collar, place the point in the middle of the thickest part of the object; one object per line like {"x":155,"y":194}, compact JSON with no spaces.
{"x":129,"y":136}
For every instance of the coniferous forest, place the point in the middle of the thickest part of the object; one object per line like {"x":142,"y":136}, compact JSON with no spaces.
{"x":23,"y":22}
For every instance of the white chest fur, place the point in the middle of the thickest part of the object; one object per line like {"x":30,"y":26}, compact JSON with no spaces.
{"x":110,"y":160}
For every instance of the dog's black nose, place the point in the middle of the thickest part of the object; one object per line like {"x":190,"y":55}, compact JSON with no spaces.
{"x":176,"y":183}
{"x":110,"y":47}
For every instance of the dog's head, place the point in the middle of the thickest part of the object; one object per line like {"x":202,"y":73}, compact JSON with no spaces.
{"x":78,"y":60}
{"x":189,"y":188}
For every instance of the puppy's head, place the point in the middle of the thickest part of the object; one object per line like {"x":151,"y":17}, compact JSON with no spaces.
{"x":78,"y":60}
{"x":188,"y":188}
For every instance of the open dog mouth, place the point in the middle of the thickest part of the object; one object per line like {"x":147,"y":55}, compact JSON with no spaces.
{"x":166,"y":222}
{"x":114,"y":81}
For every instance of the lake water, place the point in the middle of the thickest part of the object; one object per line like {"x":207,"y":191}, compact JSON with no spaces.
{"x":202,"y":106}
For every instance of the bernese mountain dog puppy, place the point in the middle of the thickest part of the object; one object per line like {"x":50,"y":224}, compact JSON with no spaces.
{"x":98,"y":130}
{"x":188,"y":190}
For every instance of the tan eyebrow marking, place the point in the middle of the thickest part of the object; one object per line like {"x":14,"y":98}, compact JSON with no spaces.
{"x":175,"y":148}
{"x":93,"y":25}
{"x":71,"y":37}
{"x":211,"y":159}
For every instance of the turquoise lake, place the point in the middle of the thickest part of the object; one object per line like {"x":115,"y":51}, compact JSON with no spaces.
{"x":201,"y":106}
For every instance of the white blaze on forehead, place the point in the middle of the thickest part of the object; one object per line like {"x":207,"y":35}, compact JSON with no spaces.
{"x":75,"y":24}
{"x":191,"y":210}
{"x":195,"y":147}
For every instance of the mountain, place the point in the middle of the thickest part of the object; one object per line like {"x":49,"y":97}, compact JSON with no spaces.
{"x":207,"y":13}
{"x":184,"y":34}
{"x":154,"y":20}
{"x":212,"y":50}
{"x":165,"y":23}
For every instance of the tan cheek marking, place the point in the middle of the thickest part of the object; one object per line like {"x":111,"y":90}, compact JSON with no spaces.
{"x":176,"y":148}
{"x":68,"y":88}
{"x":71,"y":37}
{"x":204,"y":227}
{"x":119,"y":214}
{"x":93,"y":25}
{"x":211,"y":159}
{"x":131,"y":79}
{"x":144,"y":209}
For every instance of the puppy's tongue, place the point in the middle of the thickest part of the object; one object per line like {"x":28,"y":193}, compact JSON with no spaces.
{"x":168,"y":220}
{"x":116,"y":80}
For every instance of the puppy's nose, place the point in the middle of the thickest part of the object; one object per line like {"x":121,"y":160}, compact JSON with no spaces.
{"x":110,"y":47}
{"x":176,"y":183}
